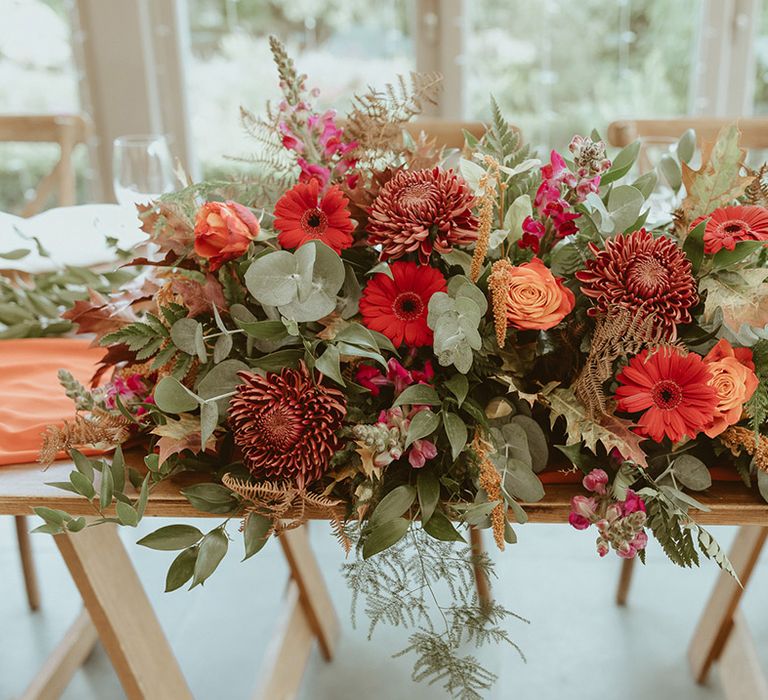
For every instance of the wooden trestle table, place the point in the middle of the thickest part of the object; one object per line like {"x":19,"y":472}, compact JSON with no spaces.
{"x":117,"y":610}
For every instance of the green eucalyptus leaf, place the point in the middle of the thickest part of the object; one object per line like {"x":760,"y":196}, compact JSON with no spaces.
{"x":538,"y":447}
{"x":171,"y":396}
{"x":181,"y":570}
{"x":209,"y":419}
{"x":273,"y":279}
{"x":82,"y":484}
{"x":212,"y":550}
{"x":127,"y":514}
{"x":457,"y":433}
{"x":441,"y":528}
{"x":222,"y":348}
{"x":423,"y":424}
{"x":671,"y":171}
{"x":521,"y":483}
{"x":106,"y":490}
{"x":384,"y":536}
{"x":624,"y":205}
{"x":686,"y":146}
{"x":329,"y":364}
{"x":428,"y":488}
{"x":184,"y":335}
{"x":221,"y":380}
{"x":418,"y":395}
{"x":256,"y":533}
{"x":622,"y":164}
{"x":211,"y":498}
{"x":82,"y":463}
{"x":393,"y":505}
{"x":692,"y":473}
{"x":646,"y":183}
{"x":171,"y":538}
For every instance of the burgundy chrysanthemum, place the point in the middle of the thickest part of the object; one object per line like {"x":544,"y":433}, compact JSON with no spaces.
{"x":286,"y":425}
{"x":644,"y":274}
{"x":421,"y":211}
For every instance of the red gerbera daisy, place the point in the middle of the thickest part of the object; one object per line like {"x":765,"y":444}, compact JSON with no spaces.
{"x":728,"y":226}
{"x":299,"y":217}
{"x":674,"y":391}
{"x":397,"y":306}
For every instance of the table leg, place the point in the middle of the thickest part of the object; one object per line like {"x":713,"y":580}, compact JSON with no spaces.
{"x":717,"y":620}
{"x":313,"y":593}
{"x":739,"y":667}
{"x":27,"y":563}
{"x":122,"y":614}
{"x":625,"y":580}
{"x":67,"y":657}
{"x":482,"y":584}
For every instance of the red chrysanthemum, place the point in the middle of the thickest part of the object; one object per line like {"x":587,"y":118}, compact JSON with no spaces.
{"x":300,"y":217}
{"x":286,"y":424}
{"x":421,"y":211}
{"x":672,"y":389}
{"x":728,"y":226}
{"x":644,"y":274}
{"x":397,"y":306}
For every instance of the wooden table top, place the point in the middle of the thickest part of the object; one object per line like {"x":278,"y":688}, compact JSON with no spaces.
{"x":24,"y":486}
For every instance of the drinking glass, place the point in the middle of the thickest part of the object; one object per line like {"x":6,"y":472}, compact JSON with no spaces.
{"x":141,"y":168}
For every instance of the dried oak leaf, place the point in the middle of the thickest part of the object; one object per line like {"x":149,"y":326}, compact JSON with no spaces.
{"x":179,"y":435}
{"x":197,"y":297}
{"x":741,"y":295}
{"x":166,"y":227}
{"x":98,"y":315}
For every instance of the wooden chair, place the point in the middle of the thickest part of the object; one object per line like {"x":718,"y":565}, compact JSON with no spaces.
{"x":66,"y":130}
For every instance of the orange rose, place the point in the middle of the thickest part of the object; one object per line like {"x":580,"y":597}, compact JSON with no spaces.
{"x":734,"y":378}
{"x":536,"y":299}
{"x":223,"y":231}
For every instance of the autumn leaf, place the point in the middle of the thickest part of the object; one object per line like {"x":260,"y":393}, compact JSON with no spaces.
{"x":741,"y":295}
{"x":98,"y":315}
{"x":199,"y":297}
{"x":611,"y":432}
{"x":718,"y":181}
{"x":169,"y":230}
{"x":179,"y":435}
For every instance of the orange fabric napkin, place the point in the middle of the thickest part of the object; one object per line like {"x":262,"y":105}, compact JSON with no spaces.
{"x":30,"y":394}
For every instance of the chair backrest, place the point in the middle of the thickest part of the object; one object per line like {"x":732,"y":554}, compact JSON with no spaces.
{"x":67,"y":130}
{"x":660,"y":131}
{"x":449,"y":134}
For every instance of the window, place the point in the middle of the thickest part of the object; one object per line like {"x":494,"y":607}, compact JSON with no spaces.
{"x":559,"y":67}
{"x":36,"y":77}
{"x":342,"y":45}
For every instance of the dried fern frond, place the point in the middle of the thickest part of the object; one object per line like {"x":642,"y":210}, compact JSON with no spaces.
{"x":738,"y":440}
{"x":757,"y":190}
{"x":98,"y":427}
{"x":376,"y":120}
{"x":617,"y":333}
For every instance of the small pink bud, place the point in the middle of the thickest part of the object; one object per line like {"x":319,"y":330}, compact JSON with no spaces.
{"x":602,"y":547}
{"x":596,"y":481}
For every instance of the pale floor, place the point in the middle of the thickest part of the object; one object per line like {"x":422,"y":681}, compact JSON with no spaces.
{"x":578,"y":645}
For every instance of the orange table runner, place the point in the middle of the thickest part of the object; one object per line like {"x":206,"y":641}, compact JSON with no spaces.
{"x":30,"y":394}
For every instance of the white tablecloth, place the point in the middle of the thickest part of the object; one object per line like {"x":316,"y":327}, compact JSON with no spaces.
{"x":71,"y":235}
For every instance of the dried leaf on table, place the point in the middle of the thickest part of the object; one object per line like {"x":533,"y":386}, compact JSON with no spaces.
{"x":179,"y":435}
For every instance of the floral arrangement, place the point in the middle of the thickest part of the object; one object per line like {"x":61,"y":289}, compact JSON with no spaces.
{"x":401,"y":339}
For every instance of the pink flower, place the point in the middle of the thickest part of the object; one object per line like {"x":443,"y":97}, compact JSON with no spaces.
{"x":633,"y":503}
{"x":640,"y":541}
{"x":311,"y":171}
{"x":371,"y":378}
{"x":596,"y":481}
{"x":578,"y":521}
{"x":398,"y":375}
{"x":421,"y":451}
{"x":583,"y":512}
{"x":533,"y":232}
{"x":626,"y":551}
{"x":602,"y":547}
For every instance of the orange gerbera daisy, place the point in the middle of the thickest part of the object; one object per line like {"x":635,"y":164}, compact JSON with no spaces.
{"x":397,"y":306}
{"x":672,"y":389}
{"x":300,"y":217}
{"x":728,"y":226}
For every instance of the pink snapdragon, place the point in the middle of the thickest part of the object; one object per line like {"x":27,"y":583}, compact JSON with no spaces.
{"x":132,"y":392}
{"x":596,"y":481}
{"x":397,"y":376}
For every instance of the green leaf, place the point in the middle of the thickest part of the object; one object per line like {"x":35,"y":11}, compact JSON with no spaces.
{"x":624,"y":204}
{"x":52,"y":516}
{"x":622,"y":164}
{"x":538,"y":447}
{"x":181,"y":569}
{"x":222,"y":379}
{"x":141,"y":504}
{"x":692,"y":472}
{"x":82,"y":464}
{"x":456,"y":431}
{"x":762,"y":484}
{"x":686,"y":146}
{"x":222,"y":348}
{"x":393,"y":505}
{"x":118,"y":470}
{"x":184,"y":333}
{"x":256,"y":533}
{"x":264,"y":330}
{"x":458,"y":385}
{"x":77,"y":524}
{"x":477,"y":513}
{"x":670,"y":169}
{"x":428,"y":488}
{"x":273,"y":279}
{"x":212,"y":550}
{"x":509,"y":534}
{"x":211,"y":498}
{"x":275,"y":361}
{"x":418,"y":395}
{"x":82,"y":485}
{"x":724,"y":258}
{"x":521,"y":483}
{"x":646,"y":183}
{"x":384,"y":536}
{"x":424,"y":423}
{"x":16,"y":254}
{"x":127,"y":514}
{"x":171,"y":396}
{"x":329,"y":364}
{"x":441,"y":528}
{"x":209,"y":419}
{"x":171,"y":537}
{"x":107,"y":488}
{"x":694,"y":246}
